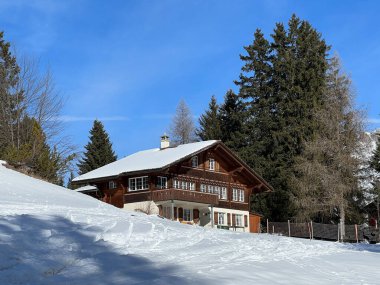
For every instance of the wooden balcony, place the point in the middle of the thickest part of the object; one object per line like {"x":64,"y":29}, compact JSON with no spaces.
{"x":185,"y":195}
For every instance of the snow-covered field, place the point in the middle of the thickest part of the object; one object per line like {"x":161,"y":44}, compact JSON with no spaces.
{"x":50,"y":235}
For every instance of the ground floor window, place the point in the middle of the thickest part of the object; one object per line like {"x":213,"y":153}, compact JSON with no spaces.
{"x":221,"y":218}
{"x":186,"y":215}
{"x":239,"y":220}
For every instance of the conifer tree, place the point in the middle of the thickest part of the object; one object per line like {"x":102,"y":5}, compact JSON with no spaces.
{"x":98,"y":150}
{"x":233,"y":119}
{"x":209,"y":123}
{"x":282,"y":83}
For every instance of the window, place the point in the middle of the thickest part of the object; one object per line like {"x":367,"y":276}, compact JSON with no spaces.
{"x":194,"y":161}
{"x":223,"y":193}
{"x":112,"y":185}
{"x":217,"y":190}
{"x":162,"y":182}
{"x":138,"y":183}
{"x":210,"y":189}
{"x":212,"y":164}
{"x":220,"y":218}
{"x":186,"y":215}
{"x":176,"y":184}
{"x":239,"y":220}
{"x":192,"y":186}
{"x":184,"y":185}
{"x":203,"y":188}
{"x":238,"y":195}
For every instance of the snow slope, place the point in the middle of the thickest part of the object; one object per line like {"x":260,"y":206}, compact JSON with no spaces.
{"x":51,"y":235}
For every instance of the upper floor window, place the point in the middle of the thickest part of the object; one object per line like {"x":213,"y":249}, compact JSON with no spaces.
{"x":192,"y":186}
{"x":176,"y":184}
{"x":138,"y":183}
{"x":162,"y":182}
{"x":203,"y":188}
{"x":212,"y":164}
{"x":237,"y":195}
{"x":194,"y":161}
{"x":223,"y":193}
{"x":112,"y":185}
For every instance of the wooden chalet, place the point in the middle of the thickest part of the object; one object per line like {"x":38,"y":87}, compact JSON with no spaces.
{"x":202,"y":183}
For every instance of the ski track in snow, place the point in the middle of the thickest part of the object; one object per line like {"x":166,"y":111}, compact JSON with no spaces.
{"x":55,"y":236}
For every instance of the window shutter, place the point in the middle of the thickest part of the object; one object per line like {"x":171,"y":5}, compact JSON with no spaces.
{"x":180,"y":213}
{"x":215,"y":218}
{"x":245,"y":221}
{"x":175,"y":213}
{"x":233,"y":219}
{"x":229,"y":219}
{"x":160,"y":211}
{"x":195,"y":214}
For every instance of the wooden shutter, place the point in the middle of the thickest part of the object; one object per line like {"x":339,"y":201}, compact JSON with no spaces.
{"x":233,"y":219}
{"x":160,"y":212}
{"x":175,"y":213}
{"x":245,"y":221}
{"x":180,"y":213}
{"x":229,"y":219}
{"x":195,"y":214}
{"x":215,"y":218}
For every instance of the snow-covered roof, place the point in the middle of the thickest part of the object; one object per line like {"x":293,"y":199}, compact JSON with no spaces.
{"x":86,"y":188}
{"x":146,"y":160}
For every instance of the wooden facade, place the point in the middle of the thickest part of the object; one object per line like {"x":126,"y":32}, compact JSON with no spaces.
{"x":213,"y":177}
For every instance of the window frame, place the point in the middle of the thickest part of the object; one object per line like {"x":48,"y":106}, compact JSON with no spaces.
{"x":194,"y":161}
{"x":144,"y":182}
{"x":211,"y":164}
{"x":239,"y":220}
{"x":159,"y":184}
{"x":112,"y":184}
{"x":223,"y":193}
{"x":221,"y":220}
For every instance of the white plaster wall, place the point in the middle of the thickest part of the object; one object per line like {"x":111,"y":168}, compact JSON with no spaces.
{"x":148,"y":207}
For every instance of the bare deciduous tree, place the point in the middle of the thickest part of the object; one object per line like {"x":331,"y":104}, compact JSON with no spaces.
{"x":326,"y":178}
{"x":182,"y":129}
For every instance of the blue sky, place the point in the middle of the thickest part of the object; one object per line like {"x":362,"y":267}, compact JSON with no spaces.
{"x":129,"y":63}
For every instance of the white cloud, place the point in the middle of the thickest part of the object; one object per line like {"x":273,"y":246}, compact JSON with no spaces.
{"x":373,"y":121}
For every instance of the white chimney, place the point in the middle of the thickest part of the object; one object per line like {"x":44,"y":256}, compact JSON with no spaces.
{"x":165,"y":143}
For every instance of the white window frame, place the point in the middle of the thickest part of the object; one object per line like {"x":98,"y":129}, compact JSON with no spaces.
{"x":136,"y":180}
{"x":203,"y":188}
{"x":160,"y":184}
{"x":239,"y":220}
{"x":184,"y":185}
{"x":237,"y":195}
{"x":112,"y":184}
{"x":241,"y":196}
{"x":194,"y":161}
{"x":192,"y":186}
{"x":221,"y":220}
{"x":217,"y":190}
{"x":185,"y":215}
{"x":223,"y":193}
{"x":211,"y":162}
{"x":210,"y":189}
{"x":176,"y":184}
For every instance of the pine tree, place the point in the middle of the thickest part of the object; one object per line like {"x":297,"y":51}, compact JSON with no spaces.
{"x":209,"y":123}
{"x":375,"y":166}
{"x":182,"y":129}
{"x":98,"y":150}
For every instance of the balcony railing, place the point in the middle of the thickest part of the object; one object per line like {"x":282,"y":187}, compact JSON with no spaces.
{"x":185,"y":195}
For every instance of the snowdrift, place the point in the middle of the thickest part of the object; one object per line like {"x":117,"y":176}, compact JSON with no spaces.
{"x":51,"y":235}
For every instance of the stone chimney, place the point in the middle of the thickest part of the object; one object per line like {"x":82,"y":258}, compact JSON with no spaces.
{"x":165,"y":143}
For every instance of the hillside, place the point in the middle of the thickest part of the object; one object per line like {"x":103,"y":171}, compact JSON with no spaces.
{"x":51,"y":235}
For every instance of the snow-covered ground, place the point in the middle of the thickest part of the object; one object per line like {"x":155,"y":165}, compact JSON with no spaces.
{"x":51,"y":235}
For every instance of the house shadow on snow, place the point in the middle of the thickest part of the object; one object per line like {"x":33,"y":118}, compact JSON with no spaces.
{"x":54,"y":250}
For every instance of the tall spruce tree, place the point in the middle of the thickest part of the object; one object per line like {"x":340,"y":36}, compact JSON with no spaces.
{"x":375,"y":166}
{"x":282,"y":83}
{"x":209,"y":123}
{"x":98,"y":150}
{"x":233,"y":118}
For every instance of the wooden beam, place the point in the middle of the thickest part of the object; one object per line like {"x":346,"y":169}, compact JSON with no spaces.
{"x":238,"y":169}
